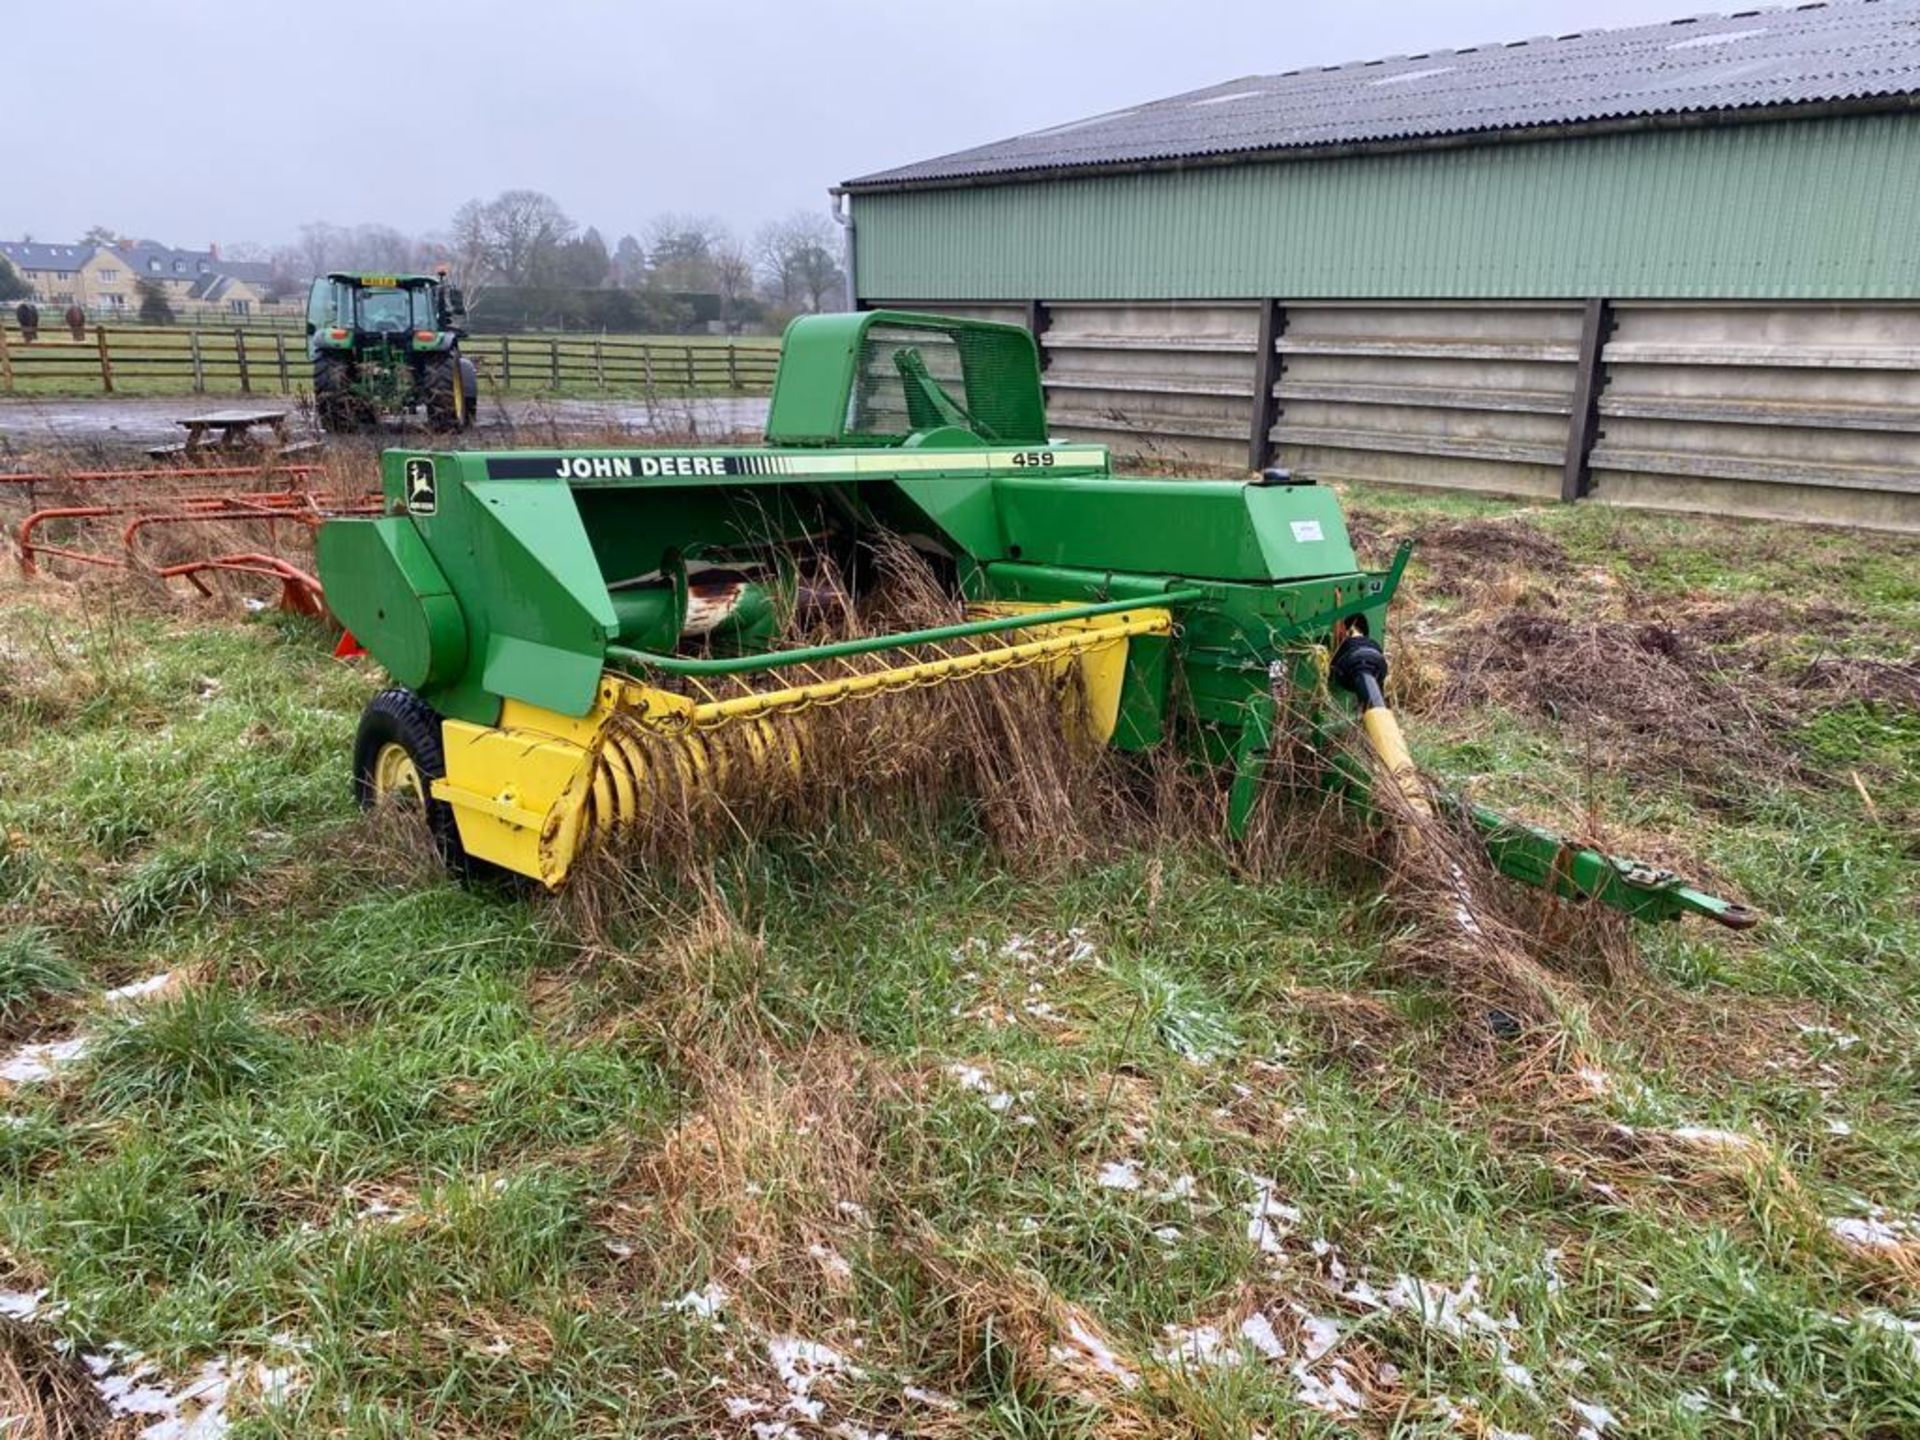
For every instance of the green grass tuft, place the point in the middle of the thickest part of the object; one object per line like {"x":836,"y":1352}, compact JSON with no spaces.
{"x":33,"y":968}
{"x":206,"y":1043}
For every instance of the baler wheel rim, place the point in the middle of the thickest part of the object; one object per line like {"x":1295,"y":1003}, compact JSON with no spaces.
{"x":398,"y":747}
{"x":394,"y":772}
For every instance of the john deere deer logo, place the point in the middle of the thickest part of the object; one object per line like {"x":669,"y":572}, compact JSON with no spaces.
{"x":421,"y":493}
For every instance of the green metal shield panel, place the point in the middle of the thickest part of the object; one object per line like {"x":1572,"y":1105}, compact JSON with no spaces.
{"x":1204,"y":529}
{"x":383,"y":585}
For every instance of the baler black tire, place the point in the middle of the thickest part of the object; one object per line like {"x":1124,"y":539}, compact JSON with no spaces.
{"x":439,"y":379}
{"x":333,"y":398}
{"x":400,"y":717}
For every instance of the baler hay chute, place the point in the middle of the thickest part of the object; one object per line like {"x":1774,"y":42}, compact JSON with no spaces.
{"x":579,"y":636}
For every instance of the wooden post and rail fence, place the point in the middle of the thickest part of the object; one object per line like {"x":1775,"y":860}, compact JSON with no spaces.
{"x":249,"y":360}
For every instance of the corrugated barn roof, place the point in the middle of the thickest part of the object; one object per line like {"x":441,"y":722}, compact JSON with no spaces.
{"x":1859,"y":51}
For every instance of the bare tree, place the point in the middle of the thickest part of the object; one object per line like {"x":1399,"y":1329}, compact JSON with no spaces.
{"x":681,"y":251}
{"x":511,"y":237}
{"x":797,"y":261}
{"x":379,"y":248}
{"x":732,"y":279}
{"x":322,"y":247}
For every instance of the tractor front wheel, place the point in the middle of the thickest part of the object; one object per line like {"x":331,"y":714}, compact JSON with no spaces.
{"x":397,"y":755}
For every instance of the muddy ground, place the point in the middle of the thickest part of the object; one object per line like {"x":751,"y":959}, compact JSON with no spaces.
{"x":117,"y":427}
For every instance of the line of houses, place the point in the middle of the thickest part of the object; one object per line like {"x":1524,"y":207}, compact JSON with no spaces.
{"x":103,"y":279}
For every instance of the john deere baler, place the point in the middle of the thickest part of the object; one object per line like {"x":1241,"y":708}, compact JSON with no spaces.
{"x":542,"y":613}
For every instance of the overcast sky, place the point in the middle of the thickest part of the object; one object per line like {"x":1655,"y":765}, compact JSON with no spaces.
{"x":195,"y":120}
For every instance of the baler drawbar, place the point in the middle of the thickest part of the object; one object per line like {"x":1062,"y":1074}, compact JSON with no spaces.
{"x":573,"y":635}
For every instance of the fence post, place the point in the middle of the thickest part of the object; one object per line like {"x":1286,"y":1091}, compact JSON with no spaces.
{"x":688,"y":356}
{"x":199,"y":365}
{"x":1266,"y":370}
{"x":280,"y":354}
{"x":1583,"y":426}
{"x":1039,"y":321}
{"x":646,"y":366}
{"x":240,"y":354}
{"x":599,"y":364}
{"x":6,"y":363}
{"x":106,"y":361}
{"x":733,"y":367}
{"x":553,"y":361}
{"x":506,"y":362}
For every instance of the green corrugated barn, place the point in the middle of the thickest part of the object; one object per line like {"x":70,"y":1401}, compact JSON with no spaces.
{"x":1674,"y":265}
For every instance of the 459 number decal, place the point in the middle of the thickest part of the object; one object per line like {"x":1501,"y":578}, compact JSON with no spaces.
{"x":1038,"y":459}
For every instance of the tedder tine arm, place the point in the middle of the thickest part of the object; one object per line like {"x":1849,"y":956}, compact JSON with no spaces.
{"x":1581,"y":872}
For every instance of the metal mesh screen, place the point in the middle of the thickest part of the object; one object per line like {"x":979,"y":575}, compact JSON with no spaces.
{"x":913,"y":378}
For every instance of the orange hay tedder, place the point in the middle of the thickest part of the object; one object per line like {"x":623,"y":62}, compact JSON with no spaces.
{"x":70,"y":532}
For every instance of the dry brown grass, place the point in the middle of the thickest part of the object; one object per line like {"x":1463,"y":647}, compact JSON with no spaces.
{"x":47,"y":1395}
{"x":766,"y":1187}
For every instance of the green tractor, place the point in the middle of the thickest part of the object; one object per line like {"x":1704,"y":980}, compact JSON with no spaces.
{"x":389,"y":344}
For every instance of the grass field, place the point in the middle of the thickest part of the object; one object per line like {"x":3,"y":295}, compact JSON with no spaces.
{"x":880,"y":1131}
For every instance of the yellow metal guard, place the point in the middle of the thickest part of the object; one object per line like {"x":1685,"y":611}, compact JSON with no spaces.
{"x":530,"y":793}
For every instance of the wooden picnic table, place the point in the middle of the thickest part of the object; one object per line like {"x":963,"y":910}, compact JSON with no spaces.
{"x":228,"y":430}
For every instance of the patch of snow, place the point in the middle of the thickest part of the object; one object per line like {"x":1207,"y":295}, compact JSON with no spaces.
{"x":1269,"y":1221}
{"x":831,"y":1260}
{"x":143,"y":989}
{"x":195,"y":1410}
{"x":1455,"y":1311}
{"x":1258,"y":1332}
{"x":1090,"y":1347}
{"x":1181,"y":1187}
{"x":1874,"y":1230}
{"x":1550,"y":1271}
{"x":1197,"y":1346}
{"x":972,"y":1077}
{"x":1334,"y":1394}
{"x":33,"y":1063}
{"x":1119,"y":1175}
{"x":920,"y":1395}
{"x":1839,"y":1127}
{"x":1518,"y":1376}
{"x":1891,"y":1324}
{"x":21,"y":1304}
{"x":803,"y":1364}
{"x":1598,"y":1417}
{"x":1168,"y":1234}
{"x":1840,"y":1038}
{"x":704,"y":1303}
{"x":1318,"y":1333}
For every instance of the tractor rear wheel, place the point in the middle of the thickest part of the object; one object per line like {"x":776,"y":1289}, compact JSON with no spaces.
{"x":333,"y":398}
{"x":440,"y":379}
{"x":397,"y":755}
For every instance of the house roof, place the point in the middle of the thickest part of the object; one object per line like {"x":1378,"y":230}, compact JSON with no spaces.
{"x":28,"y":255}
{"x":164,"y":262}
{"x":1862,"y":51}
{"x":142,"y":258}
